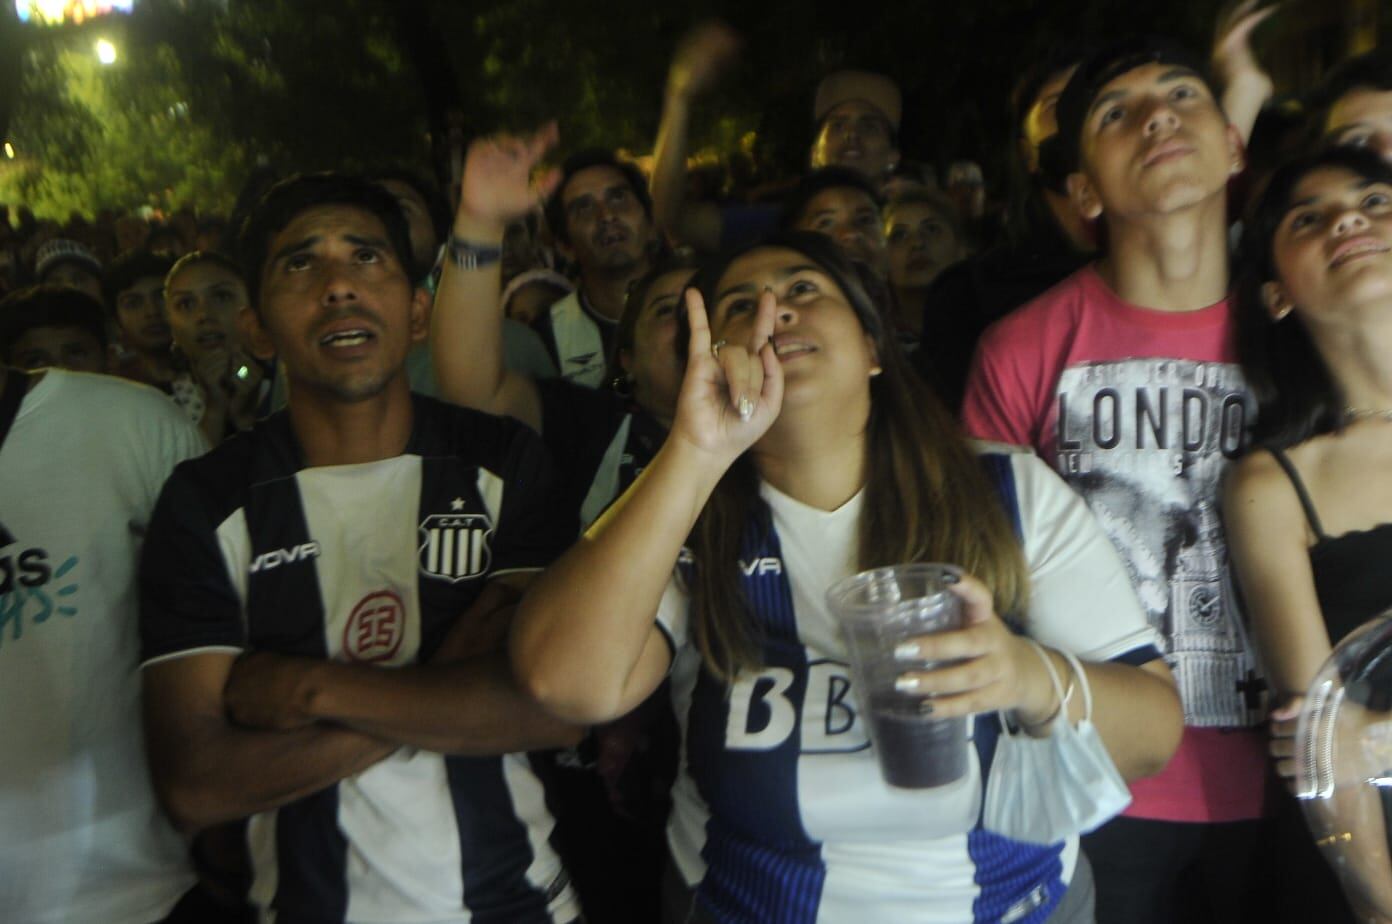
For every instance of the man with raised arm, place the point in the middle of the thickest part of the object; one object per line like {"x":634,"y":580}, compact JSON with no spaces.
{"x":615,"y":853}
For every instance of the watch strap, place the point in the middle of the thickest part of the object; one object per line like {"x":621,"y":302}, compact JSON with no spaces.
{"x":470,"y":256}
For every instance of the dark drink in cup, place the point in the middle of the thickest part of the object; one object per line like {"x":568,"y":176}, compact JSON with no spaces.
{"x":878,"y":610}
{"x":915,"y":752}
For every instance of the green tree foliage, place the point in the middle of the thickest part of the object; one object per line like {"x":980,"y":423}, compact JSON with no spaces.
{"x":201,"y":93}
{"x":308,"y":85}
{"x":91,"y":136}
{"x":205,"y":90}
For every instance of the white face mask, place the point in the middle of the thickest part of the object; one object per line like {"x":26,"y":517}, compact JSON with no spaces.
{"x":1043,"y":790}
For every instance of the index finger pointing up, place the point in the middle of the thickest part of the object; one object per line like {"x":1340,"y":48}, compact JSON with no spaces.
{"x":764,"y":320}
{"x":700,"y":342}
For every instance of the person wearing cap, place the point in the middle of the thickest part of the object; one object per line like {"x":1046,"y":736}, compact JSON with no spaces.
{"x":528,"y":294}
{"x":856,"y":117}
{"x":1045,"y":239}
{"x":67,"y":263}
{"x":1124,"y":377}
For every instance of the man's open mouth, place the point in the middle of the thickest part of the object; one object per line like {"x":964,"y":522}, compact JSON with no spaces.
{"x":347,"y":338}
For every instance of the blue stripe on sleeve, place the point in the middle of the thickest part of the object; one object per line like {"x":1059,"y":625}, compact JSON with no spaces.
{"x":1137,"y":656}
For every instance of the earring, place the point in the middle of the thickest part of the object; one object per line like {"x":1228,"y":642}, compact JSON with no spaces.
{"x":874,"y":371}
{"x":1281,"y":315}
{"x":622,"y":385}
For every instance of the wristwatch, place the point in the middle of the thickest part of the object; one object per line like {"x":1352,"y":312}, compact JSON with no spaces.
{"x":470,"y":256}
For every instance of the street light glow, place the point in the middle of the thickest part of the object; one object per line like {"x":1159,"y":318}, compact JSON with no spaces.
{"x":106,"y":52}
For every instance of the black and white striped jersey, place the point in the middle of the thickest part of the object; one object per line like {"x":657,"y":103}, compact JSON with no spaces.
{"x":371,"y":563}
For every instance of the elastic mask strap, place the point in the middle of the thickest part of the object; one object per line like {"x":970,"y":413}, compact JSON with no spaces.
{"x":1054,"y":679}
{"x":1082,"y":681}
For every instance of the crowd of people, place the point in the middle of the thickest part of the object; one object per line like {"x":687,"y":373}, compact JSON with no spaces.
{"x":378,"y":554}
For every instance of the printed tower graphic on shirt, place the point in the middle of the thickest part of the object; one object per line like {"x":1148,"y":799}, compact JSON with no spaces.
{"x":1146,"y":441}
{"x":1206,"y":629}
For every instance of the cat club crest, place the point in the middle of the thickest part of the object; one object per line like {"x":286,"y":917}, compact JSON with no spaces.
{"x":454,"y":546}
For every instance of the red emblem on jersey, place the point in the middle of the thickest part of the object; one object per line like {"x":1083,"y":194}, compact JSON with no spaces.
{"x":375,"y":628}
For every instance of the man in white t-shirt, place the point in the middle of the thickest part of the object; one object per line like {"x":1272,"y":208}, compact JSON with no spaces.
{"x":82,"y":460}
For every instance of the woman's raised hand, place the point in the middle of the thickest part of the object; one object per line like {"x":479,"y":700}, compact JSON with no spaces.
{"x":733,"y":390}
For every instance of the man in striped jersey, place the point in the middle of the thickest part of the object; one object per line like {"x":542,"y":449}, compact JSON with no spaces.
{"x":363,"y":528}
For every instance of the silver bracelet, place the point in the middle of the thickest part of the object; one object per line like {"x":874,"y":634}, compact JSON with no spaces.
{"x":1064,"y":695}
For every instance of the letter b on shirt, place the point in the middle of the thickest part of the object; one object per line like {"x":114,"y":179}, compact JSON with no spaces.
{"x":762,"y":715}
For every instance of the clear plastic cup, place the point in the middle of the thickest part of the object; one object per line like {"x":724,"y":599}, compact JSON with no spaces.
{"x":1343,"y":760}
{"x":877,"y":611}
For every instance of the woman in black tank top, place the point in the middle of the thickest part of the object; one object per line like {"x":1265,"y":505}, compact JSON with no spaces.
{"x":1309,"y":512}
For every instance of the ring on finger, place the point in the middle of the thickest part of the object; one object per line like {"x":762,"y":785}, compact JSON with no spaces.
{"x":715,"y":348}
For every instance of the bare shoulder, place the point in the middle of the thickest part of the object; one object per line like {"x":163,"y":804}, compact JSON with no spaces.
{"x":1259,"y":472}
{"x":1254,"y":471}
{"x":1257,"y":494}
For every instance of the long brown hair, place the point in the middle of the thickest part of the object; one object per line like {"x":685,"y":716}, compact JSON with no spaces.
{"x":927,"y":497}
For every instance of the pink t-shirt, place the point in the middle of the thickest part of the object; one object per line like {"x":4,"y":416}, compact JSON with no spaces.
{"x":1140,"y":411}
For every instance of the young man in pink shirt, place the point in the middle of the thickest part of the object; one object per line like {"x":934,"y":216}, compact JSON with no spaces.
{"x":1124,"y":378}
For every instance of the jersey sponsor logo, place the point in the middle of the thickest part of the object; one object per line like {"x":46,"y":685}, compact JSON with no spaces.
{"x":32,"y":589}
{"x":761,"y":566}
{"x":24,"y":568}
{"x":375,"y":628}
{"x":762,"y":715}
{"x":277,"y":557}
{"x":455,"y":546}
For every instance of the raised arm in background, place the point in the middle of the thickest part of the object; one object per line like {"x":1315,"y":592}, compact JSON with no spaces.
{"x":500,"y":185}
{"x":1246,"y":87}
{"x":701,"y":56}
